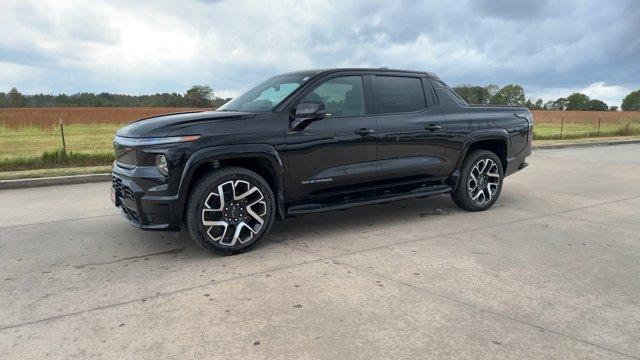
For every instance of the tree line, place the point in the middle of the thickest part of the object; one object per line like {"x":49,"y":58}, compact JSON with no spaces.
{"x":513,"y":95}
{"x":200,"y":96}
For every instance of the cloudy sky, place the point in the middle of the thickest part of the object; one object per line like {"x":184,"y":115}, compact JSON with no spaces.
{"x":551,"y":48}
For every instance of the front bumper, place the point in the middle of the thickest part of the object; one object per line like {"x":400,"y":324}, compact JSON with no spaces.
{"x":142,"y":210}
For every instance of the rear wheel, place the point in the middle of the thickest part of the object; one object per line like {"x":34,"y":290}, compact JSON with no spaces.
{"x":480,"y":181}
{"x":229,"y":210}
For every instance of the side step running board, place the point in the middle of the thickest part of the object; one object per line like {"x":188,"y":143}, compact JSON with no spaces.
{"x":317,"y":208}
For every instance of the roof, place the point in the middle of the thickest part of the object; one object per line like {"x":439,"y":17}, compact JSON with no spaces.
{"x":380,"y":69}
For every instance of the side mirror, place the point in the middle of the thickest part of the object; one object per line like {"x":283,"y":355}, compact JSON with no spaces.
{"x":308,"y":112}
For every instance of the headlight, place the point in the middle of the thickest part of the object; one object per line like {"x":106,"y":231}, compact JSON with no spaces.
{"x":126,"y":141}
{"x":162,"y":164}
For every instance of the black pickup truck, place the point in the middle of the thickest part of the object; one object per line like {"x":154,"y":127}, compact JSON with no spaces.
{"x":313,"y":141}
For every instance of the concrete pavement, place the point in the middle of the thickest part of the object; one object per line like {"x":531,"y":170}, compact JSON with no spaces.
{"x":550,"y":272}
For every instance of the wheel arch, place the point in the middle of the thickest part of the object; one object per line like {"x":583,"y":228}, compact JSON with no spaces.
{"x":496,"y":141}
{"x":262,"y":159}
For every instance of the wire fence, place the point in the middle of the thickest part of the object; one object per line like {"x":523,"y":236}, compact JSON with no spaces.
{"x":584,"y":124}
{"x":34,"y":141}
{"x":48,"y":118}
{"x":94,"y":135}
{"x":30,"y":132}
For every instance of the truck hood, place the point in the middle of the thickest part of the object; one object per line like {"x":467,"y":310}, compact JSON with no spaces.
{"x":163,"y":125}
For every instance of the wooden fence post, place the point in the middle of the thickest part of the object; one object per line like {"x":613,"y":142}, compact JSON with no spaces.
{"x":561,"y":124}
{"x":64,"y":145}
{"x":628,"y":124}
{"x":599,"y":121}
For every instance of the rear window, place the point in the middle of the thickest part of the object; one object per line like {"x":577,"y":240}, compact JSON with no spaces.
{"x":451,"y":92}
{"x":396,"y":94}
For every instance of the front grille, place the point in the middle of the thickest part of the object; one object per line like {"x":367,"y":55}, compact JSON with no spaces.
{"x":131,"y":214}
{"x":123,"y":190}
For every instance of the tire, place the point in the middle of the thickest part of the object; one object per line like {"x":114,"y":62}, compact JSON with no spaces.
{"x":479,"y":187}
{"x":214,"y":224}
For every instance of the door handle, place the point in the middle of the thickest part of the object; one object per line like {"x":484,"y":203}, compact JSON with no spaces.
{"x":365,"y":131}
{"x":432,"y":127}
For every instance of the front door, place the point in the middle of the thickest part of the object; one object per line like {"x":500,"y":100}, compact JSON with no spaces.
{"x":335,"y":155}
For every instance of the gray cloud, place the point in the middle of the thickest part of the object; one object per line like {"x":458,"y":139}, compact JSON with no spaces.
{"x":517,"y":11}
{"x":136,"y":47}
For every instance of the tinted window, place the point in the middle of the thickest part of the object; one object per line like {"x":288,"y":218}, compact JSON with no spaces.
{"x":397,"y":94}
{"x":343,"y":96}
{"x":429,"y":92}
{"x":455,"y":95}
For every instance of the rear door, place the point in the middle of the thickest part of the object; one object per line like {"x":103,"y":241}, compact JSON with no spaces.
{"x":335,"y":155}
{"x":411,"y":129}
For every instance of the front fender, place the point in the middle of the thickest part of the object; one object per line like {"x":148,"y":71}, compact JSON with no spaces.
{"x":210,"y":154}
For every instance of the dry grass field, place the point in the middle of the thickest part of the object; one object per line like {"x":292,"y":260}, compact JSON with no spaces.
{"x":49,"y":117}
{"x":31,"y":137}
{"x":581,"y":124}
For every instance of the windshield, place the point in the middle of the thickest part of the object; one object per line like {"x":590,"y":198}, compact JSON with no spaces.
{"x":268,"y":94}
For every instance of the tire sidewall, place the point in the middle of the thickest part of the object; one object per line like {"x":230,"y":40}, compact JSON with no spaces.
{"x":462,"y":196}
{"x":208,"y":184}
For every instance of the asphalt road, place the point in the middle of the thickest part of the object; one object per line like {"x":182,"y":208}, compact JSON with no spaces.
{"x":552,"y":271}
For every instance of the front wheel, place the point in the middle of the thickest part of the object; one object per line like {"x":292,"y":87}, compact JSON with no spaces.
{"x":480,"y":181}
{"x":229,"y":210}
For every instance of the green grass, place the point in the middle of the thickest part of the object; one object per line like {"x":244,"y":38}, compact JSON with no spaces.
{"x":547,"y":131}
{"x":30,"y":148}
{"x":87,"y":145}
{"x":56,"y":159}
{"x":30,"y":142}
